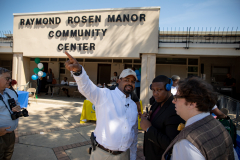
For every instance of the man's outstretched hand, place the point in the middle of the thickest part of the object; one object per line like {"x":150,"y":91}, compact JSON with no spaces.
{"x":72,"y":64}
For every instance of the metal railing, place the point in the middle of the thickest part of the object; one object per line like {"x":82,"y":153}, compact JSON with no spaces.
{"x":6,"y":37}
{"x":232,"y":105}
{"x":26,"y":86}
{"x":202,"y":36}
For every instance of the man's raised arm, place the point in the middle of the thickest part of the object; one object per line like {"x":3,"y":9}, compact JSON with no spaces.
{"x":85,"y":85}
{"x":72,"y":64}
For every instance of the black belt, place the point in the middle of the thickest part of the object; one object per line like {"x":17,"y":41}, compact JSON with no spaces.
{"x":108,"y":150}
{"x":7,"y":134}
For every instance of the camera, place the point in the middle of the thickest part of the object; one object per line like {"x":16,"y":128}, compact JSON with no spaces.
{"x":16,"y":115}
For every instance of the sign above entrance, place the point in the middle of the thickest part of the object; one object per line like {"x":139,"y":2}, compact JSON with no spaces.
{"x":105,"y":33}
{"x":80,"y":33}
{"x":83,"y":19}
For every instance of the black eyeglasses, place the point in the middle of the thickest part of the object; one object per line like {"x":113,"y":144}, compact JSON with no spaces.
{"x":8,"y":78}
{"x":176,"y":97}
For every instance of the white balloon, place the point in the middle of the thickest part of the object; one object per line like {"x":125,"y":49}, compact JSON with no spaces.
{"x":40,"y":66}
{"x":40,"y":73}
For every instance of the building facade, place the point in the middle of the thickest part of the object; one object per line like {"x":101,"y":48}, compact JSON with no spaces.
{"x":108,"y":40}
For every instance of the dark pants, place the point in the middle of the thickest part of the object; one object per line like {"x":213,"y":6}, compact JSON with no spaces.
{"x":7,"y":146}
{"x":39,"y":86}
{"x":138,"y":92}
{"x":65,"y":90}
{"x":50,"y":86}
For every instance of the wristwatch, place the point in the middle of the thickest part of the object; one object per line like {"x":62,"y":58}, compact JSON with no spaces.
{"x":77,"y":73}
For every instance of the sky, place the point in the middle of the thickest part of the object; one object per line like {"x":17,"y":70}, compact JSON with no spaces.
{"x":176,"y":15}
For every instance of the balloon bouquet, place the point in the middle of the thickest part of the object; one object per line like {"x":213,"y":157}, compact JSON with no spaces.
{"x":38,"y":73}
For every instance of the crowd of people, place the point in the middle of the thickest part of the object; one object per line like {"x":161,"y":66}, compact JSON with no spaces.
{"x":174,"y":103}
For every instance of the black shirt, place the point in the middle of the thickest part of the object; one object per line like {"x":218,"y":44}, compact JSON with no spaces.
{"x":229,"y":81}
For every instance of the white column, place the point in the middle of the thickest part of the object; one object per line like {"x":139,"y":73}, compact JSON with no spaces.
{"x":14,"y":66}
{"x":148,"y":70}
{"x":19,"y":69}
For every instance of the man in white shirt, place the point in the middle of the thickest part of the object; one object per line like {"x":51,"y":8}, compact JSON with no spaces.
{"x":65,"y":82}
{"x":114,"y":79}
{"x":175,"y":79}
{"x":116,"y":126}
{"x":204,"y":137}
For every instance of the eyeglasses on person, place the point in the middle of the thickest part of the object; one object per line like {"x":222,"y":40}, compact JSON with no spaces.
{"x":8,"y":78}
{"x":175,"y":97}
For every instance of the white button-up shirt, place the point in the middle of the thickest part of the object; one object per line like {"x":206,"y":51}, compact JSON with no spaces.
{"x":63,"y":82}
{"x":174,"y":90}
{"x":117,"y":123}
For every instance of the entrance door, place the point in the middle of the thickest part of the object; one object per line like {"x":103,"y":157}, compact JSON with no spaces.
{"x":104,"y":73}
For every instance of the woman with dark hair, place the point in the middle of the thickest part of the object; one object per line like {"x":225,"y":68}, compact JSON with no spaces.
{"x":50,"y":77}
{"x":11,"y":84}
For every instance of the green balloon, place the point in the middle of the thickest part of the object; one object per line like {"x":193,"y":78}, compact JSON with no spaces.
{"x":36,"y":70}
{"x":140,"y":70}
{"x":37,"y":60}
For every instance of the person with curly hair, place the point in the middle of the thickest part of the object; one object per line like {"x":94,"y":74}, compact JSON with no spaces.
{"x":204,"y":137}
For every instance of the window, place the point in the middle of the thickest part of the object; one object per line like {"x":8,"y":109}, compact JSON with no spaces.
{"x":62,"y":71}
{"x":43,"y":59}
{"x":182,"y":61}
{"x":192,"y":69}
{"x":127,"y":61}
{"x":6,"y":64}
{"x":98,"y":60}
{"x":192,"y":61}
{"x":220,"y":72}
{"x":54,"y":59}
{"x":137,"y":66}
{"x":62,"y":59}
{"x":137,"y":61}
{"x":79,"y":59}
{"x":128,"y":66}
{"x":62,"y":68}
{"x":117,"y":60}
{"x":62,"y":65}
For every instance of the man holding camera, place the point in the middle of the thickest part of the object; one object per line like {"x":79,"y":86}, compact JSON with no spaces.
{"x":115,"y":135}
{"x":7,"y":125}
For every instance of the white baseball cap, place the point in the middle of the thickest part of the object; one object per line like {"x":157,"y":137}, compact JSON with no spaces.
{"x":128,"y":72}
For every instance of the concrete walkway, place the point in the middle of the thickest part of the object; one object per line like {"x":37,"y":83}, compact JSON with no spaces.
{"x":53,"y":132}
